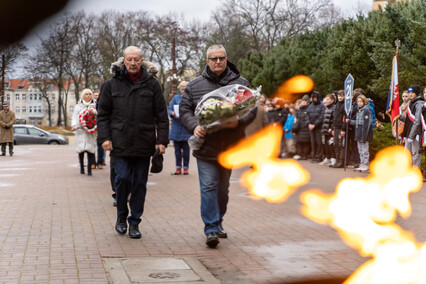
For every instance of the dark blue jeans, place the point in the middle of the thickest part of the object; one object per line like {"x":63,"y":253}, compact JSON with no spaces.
{"x":132,"y":176}
{"x":101,"y":155}
{"x":214,"y":187}
{"x":181,"y":151}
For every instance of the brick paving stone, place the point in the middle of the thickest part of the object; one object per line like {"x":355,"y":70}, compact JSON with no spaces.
{"x":57,"y":224}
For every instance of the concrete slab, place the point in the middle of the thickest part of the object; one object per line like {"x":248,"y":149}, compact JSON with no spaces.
{"x":157,"y":270}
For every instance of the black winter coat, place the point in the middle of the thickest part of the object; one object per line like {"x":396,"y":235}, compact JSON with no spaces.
{"x":316,"y":113}
{"x":132,"y":116}
{"x":328,"y":118}
{"x":339,"y":116}
{"x":278,"y":115}
{"x":218,"y":141}
{"x":301,"y":126}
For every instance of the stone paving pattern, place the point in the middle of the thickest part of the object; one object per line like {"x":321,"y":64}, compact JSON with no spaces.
{"x":57,"y":225}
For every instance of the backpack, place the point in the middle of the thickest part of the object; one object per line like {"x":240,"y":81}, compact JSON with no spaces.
{"x":373,"y":113}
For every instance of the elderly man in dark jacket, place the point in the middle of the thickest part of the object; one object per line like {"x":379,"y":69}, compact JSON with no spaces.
{"x":214,"y":179}
{"x":132,"y":124}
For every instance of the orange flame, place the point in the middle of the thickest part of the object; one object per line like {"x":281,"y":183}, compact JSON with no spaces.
{"x":364,"y":210}
{"x":271,"y":178}
{"x":296,"y":85}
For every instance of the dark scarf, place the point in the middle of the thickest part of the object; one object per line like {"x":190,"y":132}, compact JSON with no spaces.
{"x":135,"y":78}
{"x":215,"y":77}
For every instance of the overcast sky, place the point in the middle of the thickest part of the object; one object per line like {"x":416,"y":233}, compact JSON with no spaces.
{"x":190,"y":9}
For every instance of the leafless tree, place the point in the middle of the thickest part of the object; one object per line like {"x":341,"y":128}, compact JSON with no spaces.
{"x":12,"y":53}
{"x":82,"y":65}
{"x":52,"y":57}
{"x":268,"y":21}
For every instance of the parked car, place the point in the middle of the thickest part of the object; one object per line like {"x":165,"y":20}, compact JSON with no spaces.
{"x":29,"y":134}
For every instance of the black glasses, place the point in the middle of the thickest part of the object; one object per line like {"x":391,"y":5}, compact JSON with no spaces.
{"x":214,"y":59}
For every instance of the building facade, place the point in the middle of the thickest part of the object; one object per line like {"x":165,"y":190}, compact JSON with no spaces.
{"x":30,"y":104}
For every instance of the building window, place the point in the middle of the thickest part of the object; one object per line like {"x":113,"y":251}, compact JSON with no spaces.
{"x":17,"y":110}
{"x":52,"y":110}
{"x":39,"y":97}
{"x":53,"y":97}
{"x":24,"y":109}
{"x":8,"y":97}
{"x":32,"y":121}
{"x":30,"y":109}
{"x":16,"y":97}
{"x":31,"y":97}
{"x":24,"y":97}
{"x":39,"y":122}
{"x":39,"y":109}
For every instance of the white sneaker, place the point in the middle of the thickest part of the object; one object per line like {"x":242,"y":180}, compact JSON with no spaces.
{"x":296,"y":157}
{"x":364,"y":168}
{"x":332,"y":161}
{"x":325,"y":162}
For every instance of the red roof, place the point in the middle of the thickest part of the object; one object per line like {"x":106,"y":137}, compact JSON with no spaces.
{"x":18,"y":83}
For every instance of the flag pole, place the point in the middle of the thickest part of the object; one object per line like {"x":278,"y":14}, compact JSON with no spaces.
{"x":397,"y":44}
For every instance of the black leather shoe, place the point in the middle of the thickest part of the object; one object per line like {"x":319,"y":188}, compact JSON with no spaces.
{"x":221,"y":234}
{"x":121,"y":226}
{"x":212,"y":240}
{"x":134,"y":232}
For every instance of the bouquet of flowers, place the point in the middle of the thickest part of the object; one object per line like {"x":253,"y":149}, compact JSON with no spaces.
{"x":225,"y":103}
{"x":88,"y":120}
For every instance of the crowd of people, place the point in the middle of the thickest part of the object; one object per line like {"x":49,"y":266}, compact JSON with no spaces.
{"x":315,"y":127}
{"x":129,"y":119}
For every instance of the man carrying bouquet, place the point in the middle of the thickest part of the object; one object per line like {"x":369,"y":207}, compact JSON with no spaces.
{"x":132,"y":123}
{"x":214,"y":179}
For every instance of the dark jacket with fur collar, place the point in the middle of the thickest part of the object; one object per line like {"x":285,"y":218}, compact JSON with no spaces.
{"x":218,"y":141}
{"x":132,"y":116}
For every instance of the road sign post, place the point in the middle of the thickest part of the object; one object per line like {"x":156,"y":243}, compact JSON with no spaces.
{"x":349,"y":88}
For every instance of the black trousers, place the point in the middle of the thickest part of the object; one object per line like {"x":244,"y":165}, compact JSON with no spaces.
{"x":316,"y":142}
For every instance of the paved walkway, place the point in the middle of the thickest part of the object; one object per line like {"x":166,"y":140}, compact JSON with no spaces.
{"x":57,"y":226}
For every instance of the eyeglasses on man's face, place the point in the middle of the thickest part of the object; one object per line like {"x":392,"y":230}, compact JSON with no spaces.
{"x":215,"y":59}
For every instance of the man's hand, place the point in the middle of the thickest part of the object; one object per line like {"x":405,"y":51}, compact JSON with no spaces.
{"x":107,"y":145}
{"x":200,"y":131}
{"x":342,"y":133}
{"x":311,"y":126}
{"x":161,"y":147}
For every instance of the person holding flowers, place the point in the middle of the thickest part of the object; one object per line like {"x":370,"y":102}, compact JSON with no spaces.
{"x":84,"y":124}
{"x":133,"y":124}
{"x":213,"y":178}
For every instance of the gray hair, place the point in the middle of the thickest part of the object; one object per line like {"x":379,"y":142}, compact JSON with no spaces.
{"x":132,"y":47}
{"x":215,"y":47}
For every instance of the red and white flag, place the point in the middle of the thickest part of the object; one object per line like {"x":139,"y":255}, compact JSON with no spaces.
{"x":392,"y":107}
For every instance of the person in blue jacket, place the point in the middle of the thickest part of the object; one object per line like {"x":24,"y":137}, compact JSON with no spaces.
{"x":178,"y":133}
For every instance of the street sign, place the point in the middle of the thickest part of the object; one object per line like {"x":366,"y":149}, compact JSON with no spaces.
{"x":349,"y":88}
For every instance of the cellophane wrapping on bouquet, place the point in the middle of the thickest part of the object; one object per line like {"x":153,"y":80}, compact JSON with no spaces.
{"x":228,"y":102}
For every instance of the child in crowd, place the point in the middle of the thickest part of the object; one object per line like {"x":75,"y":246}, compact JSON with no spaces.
{"x":339,"y":128}
{"x":301,"y":130}
{"x":289,"y":140}
{"x":363,"y":131}
{"x":327,"y":127}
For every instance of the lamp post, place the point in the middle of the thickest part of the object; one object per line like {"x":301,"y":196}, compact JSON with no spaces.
{"x":3,"y":58}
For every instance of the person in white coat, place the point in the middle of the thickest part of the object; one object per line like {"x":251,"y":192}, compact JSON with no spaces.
{"x":85,"y":129}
